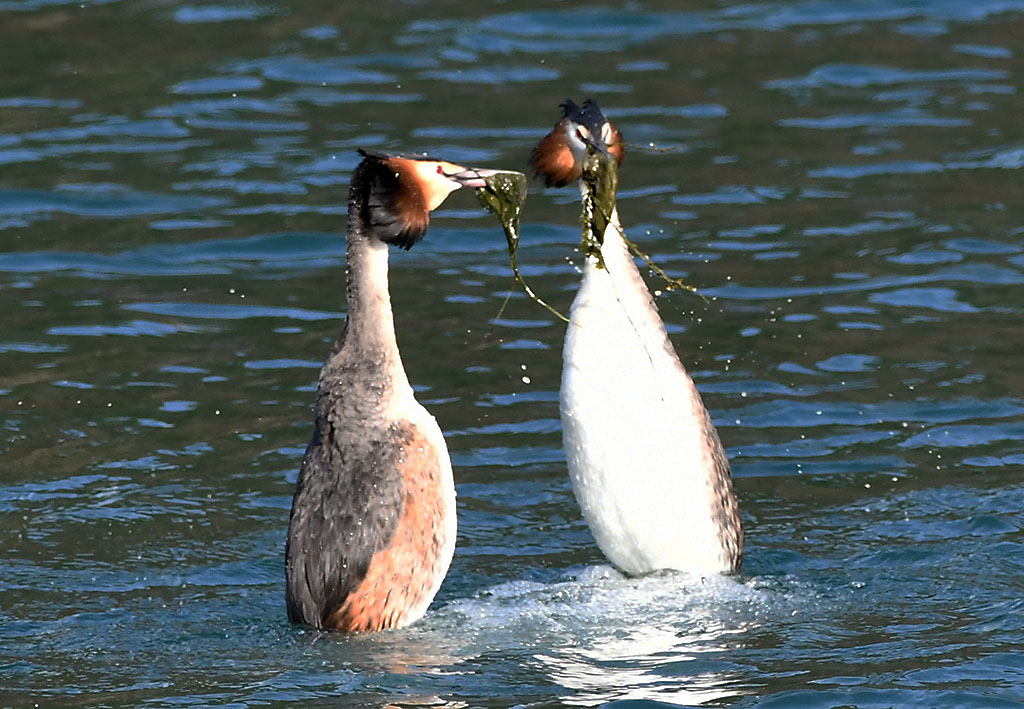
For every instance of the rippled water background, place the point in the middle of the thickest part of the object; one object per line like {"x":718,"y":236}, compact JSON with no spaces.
{"x":842,"y":180}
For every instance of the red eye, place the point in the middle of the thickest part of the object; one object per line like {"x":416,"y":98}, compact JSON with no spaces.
{"x":439,"y":170}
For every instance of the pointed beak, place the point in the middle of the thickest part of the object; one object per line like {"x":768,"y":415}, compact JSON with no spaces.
{"x":472,"y":176}
{"x":595,"y":144}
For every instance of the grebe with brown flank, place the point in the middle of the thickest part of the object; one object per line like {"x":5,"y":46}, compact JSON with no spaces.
{"x":372,"y":526}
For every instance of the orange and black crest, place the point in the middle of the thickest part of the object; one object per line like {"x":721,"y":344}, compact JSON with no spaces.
{"x":557,"y":159}
{"x":393,"y":203}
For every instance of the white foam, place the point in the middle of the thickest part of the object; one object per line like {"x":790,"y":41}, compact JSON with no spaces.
{"x":603,"y":636}
{"x":598,"y":599}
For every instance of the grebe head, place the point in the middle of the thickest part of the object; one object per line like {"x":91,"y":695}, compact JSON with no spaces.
{"x":558,"y":158}
{"x":398,"y":192}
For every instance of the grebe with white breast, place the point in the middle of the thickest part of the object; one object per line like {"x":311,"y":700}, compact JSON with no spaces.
{"x":645,"y":461}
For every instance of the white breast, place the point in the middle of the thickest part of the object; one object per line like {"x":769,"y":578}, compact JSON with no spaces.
{"x":640,"y":453}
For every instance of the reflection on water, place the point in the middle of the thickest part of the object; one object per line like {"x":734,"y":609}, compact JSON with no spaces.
{"x":838,"y":178}
{"x":625,"y":669}
{"x":643,"y":659}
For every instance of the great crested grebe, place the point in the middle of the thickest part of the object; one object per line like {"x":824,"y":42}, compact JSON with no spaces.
{"x":372,"y":528}
{"x":646,"y":464}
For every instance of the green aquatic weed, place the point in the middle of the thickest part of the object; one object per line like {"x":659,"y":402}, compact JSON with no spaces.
{"x":601,"y":179}
{"x":601,"y":182}
{"x":504,"y":195}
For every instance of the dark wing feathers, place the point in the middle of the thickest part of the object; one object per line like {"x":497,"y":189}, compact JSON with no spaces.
{"x":348,"y":501}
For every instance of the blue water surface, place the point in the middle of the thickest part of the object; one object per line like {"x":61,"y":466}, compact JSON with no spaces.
{"x":840,"y":181}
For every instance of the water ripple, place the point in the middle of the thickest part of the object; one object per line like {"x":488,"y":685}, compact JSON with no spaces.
{"x":981,"y":273}
{"x":297,"y":69}
{"x":218,"y":256}
{"x":216,"y":12}
{"x":210,"y":311}
{"x":861,"y":76}
{"x":805,"y":414}
{"x":889,"y":119}
{"x":100,"y":200}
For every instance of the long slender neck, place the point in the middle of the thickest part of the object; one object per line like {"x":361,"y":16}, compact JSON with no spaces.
{"x":370,"y":319}
{"x":616,"y":255}
{"x":369,"y":339}
{"x":614,"y":248}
